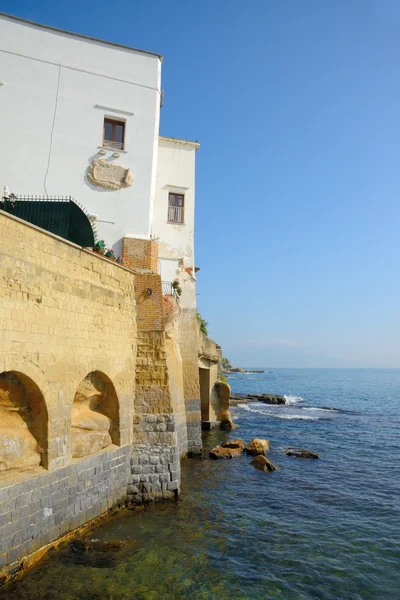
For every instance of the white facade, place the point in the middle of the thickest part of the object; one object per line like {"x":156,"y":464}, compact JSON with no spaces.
{"x":176,"y":175}
{"x":56,"y":88}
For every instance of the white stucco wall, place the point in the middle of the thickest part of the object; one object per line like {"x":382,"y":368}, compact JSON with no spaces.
{"x":176,"y":174}
{"x":51,"y":84}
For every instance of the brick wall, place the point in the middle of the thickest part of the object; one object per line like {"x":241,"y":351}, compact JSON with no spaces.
{"x":142,"y":254}
{"x":149,"y":305}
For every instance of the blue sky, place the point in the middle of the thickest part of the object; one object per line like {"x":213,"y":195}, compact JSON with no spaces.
{"x":297,"y":109}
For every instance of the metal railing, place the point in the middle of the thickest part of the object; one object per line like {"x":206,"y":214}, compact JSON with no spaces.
{"x":168,"y":289}
{"x":175,"y":214}
{"x":60,"y":215}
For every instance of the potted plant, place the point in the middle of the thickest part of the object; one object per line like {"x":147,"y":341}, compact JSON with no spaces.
{"x":100,"y":247}
{"x":177,"y":287}
{"x":120,"y":260}
{"x":110,"y":254}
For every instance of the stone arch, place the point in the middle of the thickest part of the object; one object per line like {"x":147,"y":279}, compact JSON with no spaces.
{"x":95,"y":415}
{"x":23,"y":423}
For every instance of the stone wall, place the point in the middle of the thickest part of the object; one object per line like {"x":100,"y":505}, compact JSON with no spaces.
{"x":155,"y":466}
{"x":155,"y":470}
{"x":188,"y":344}
{"x":64,"y":313}
{"x":37,"y":509}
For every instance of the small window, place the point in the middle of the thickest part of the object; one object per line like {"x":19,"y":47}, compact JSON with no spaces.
{"x":176,"y":205}
{"x":114,"y":134}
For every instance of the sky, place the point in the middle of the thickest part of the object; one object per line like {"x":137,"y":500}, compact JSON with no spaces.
{"x":296,"y":106}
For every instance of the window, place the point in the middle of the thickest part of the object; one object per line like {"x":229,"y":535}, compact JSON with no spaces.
{"x":176,"y":208}
{"x":114,"y":134}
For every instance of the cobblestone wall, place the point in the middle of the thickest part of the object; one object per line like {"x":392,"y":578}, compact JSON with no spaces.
{"x":155,"y":466}
{"x":193,"y":424}
{"x":35,"y":511}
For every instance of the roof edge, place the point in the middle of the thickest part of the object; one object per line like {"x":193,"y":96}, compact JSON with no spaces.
{"x":195,"y":144}
{"x":79,"y":35}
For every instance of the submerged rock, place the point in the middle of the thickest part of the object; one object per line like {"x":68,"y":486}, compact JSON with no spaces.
{"x":257,"y":446}
{"x":263,"y":464}
{"x":219,"y":452}
{"x":95,"y":553}
{"x":95,"y":546}
{"x":300,"y":453}
{"x":234,"y":444}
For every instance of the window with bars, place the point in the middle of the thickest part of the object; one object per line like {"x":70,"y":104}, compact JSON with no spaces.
{"x":176,"y":207}
{"x":114,"y":134}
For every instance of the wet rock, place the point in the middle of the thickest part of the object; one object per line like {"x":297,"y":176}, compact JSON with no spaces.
{"x":267,"y":398}
{"x":300,"y":453}
{"x":257,"y":446}
{"x":219,"y":452}
{"x":237,"y":399}
{"x":263,"y":464}
{"x":234,"y":444}
{"x":228,"y":425}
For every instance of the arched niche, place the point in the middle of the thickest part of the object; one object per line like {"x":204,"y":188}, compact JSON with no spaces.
{"x":23,"y":423}
{"x":95,"y":415}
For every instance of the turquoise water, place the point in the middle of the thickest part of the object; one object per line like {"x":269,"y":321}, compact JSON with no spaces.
{"x":324,"y":529}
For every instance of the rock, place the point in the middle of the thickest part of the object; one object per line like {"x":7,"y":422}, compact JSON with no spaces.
{"x":224,"y":393}
{"x":300,"y":453}
{"x":83,"y":546}
{"x":234,"y":444}
{"x":228,"y":425}
{"x":86,"y":442}
{"x":219,"y":452}
{"x":237,"y":399}
{"x":95,"y":553}
{"x":85,"y":418}
{"x":18,"y":449}
{"x":237,"y":370}
{"x":263,"y":464}
{"x":257,"y":446}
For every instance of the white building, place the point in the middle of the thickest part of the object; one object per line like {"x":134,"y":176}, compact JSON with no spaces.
{"x":173,"y":220}
{"x":67,"y":100}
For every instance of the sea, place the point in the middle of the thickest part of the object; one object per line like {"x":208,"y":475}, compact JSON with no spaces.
{"x":324,"y":529}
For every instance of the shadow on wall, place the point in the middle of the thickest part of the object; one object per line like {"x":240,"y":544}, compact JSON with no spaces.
{"x":95,"y":415}
{"x":23,"y":423}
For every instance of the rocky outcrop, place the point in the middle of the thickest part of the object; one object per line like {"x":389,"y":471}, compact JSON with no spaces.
{"x":240,"y":370}
{"x":266,"y":398}
{"x":224,"y":393}
{"x":220,"y":452}
{"x":234,"y":444}
{"x":263,"y":464}
{"x":257,"y":446}
{"x":18,"y":447}
{"x":300,"y":453}
{"x":90,"y":429}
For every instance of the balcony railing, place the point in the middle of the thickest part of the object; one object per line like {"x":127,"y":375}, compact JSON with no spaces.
{"x":168,"y":289}
{"x":175,"y":214}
